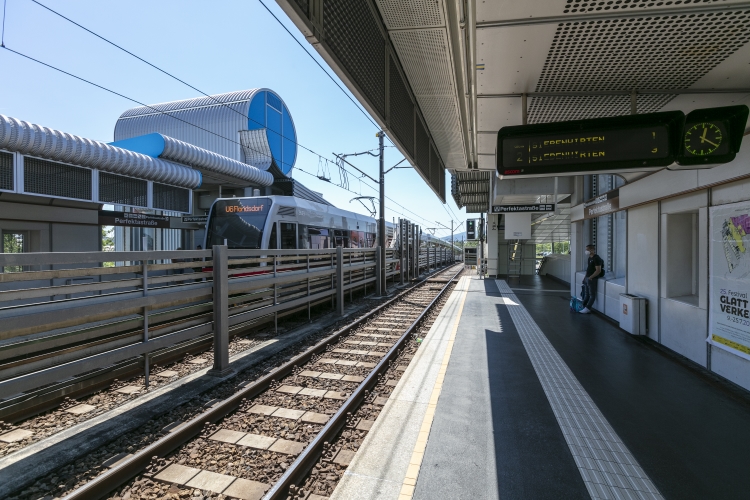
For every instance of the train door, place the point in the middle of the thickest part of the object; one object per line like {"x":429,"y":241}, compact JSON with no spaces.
{"x":288,"y":234}
{"x":273,"y":238}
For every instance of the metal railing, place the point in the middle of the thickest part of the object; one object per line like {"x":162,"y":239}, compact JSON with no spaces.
{"x":65,"y":314}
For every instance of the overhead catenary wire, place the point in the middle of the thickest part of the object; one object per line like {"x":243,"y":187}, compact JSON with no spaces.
{"x":21,"y":54}
{"x":343,"y":170}
{"x":177,"y":118}
{"x":62,"y":16}
{"x":2,"y":40}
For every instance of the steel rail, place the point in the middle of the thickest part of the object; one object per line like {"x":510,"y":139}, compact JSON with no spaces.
{"x":118,"y":475}
{"x":309,"y":456}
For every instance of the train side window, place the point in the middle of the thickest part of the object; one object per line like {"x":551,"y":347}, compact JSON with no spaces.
{"x":303,"y":238}
{"x":318,"y":237}
{"x":272,"y":245}
{"x":288,"y":235}
{"x":358,"y":239}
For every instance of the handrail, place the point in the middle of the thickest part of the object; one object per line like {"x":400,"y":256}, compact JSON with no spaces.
{"x":46,"y":318}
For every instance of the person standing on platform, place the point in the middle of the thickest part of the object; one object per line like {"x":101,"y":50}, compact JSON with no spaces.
{"x":594,"y":270}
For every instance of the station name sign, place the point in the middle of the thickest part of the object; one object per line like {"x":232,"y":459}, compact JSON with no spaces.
{"x":195,"y":219}
{"x":132,"y":219}
{"x":621,"y":143}
{"x":508,"y":209}
{"x":604,"y":204}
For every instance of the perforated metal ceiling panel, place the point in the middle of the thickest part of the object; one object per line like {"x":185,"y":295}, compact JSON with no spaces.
{"x":668,"y":52}
{"x":353,"y":38}
{"x":345,"y":21}
{"x":401,"y":109}
{"x":419,"y":35}
{"x":398,"y":14}
{"x":473,"y":190}
{"x":513,"y":9}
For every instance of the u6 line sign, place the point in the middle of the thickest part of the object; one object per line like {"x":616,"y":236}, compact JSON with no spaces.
{"x":632,"y":143}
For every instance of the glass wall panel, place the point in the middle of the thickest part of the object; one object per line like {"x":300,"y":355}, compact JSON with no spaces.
{"x":257,"y":112}
{"x":290,"y":139}
{"x":274,"y":133}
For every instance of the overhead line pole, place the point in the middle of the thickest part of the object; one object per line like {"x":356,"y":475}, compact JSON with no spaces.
{"x":381,"y":221}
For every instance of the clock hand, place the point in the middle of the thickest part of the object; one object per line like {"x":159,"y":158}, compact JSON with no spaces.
{"x":703,"y":137}
{"x":711,"y":143}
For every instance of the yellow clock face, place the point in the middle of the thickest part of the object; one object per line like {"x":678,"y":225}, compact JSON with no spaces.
{"x":703,"y":139}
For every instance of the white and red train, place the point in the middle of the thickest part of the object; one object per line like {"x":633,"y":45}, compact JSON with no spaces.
{"x":287,"y":222}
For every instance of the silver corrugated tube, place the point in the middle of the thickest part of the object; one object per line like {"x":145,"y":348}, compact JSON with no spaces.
{"x":28,"y":138}
{"x":183,"y":152}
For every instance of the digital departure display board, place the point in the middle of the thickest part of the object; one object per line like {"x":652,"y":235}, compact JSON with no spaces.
{"x":602,"y":145}
{"x":582,"y":148}
{"x":471,"y":229}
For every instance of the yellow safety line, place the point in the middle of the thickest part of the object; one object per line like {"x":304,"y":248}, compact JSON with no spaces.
{"x":410,"y":481}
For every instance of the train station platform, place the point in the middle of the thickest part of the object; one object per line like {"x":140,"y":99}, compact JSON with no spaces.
{"x":513,"y":396}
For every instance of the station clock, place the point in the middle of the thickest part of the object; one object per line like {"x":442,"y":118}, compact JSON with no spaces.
{"x":712,"y":136}
{"x":705,"y":138}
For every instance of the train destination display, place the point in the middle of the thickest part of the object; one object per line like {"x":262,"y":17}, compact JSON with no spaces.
{"x":615,"y":144}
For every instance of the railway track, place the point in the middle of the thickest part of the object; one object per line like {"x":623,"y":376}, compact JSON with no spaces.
{"x":280,"y":436}
{"x":59,"y":406}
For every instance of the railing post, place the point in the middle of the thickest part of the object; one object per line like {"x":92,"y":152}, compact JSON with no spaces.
{"x":309,"y":317}
{"x":145,"y":323}
{"x":378,"y":270}
{"x":275,"y":297}
{"x":340,"y":280}
{"x":221,"y":312}
{"x":402,"y":249}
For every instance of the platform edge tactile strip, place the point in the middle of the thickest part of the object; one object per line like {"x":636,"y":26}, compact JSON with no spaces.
{"x":608,"y":468}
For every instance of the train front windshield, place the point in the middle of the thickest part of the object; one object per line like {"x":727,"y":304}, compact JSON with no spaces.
{"x":240,"y":222}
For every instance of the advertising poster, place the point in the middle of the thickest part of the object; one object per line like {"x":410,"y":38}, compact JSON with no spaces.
{"x":729,"y":278}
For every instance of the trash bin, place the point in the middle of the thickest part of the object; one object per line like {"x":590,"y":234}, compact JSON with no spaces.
{"x":633,"y":314}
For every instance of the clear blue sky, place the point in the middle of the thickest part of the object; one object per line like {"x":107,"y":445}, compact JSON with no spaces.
{"x":217,"y":47}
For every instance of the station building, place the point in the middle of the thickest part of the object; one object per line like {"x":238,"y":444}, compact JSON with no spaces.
{"x":249,"y":127}
{"x":157,"y":180}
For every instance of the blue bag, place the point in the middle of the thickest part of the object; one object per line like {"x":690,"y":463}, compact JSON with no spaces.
{"x":575,"y":304}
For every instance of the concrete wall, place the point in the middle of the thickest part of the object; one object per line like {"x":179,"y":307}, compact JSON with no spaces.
{"x":557,"y":265}
{"x":661,"y":252}
{"x":643,"y":264}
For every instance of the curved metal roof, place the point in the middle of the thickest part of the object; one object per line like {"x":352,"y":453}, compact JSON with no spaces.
{"x":212,"y":123}
{"x":36,"y":140}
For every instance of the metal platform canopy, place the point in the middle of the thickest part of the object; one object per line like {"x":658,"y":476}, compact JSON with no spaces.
{"x":397,"y":58}
{"x":473,"y":67}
